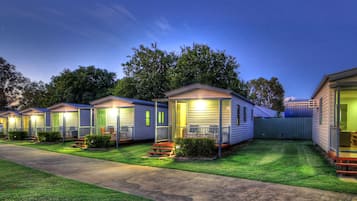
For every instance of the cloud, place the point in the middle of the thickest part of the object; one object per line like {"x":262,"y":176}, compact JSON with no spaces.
{"x":121,"y":9}
{"x":163,"y":24}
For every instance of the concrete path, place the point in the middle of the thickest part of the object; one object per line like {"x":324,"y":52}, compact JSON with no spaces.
{"x":159,"y":183}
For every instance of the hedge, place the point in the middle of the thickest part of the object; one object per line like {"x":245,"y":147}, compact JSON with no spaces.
{"x":97,"y":141}
{"x":17,"y":135}
{"x":195,"y":147}
{"x":49,"y":136}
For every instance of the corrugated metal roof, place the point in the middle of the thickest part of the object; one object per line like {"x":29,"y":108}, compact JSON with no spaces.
{"x":203,"y":86}
{"x":75,"y":105}
{"x":128,"y":100}
{"x":333,"y":77}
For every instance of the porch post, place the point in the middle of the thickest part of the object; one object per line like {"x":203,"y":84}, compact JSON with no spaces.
{"x":79,"y":124}
{"x":338,"y":122}
{"x":30,"y":125}
{"x":63,"y":126}
{"x":155,"y":121}
{"x":118,"y":129}
{"x":220,"y":129}
{"x":90,"y":120}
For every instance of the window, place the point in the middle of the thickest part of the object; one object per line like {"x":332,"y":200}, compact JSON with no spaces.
{"x":161,"y":117}
{"x":147,"y":118}
{"x":251,"y":114}
{"x":238,"y":114}
{"x":320,"y":107}
{"x":245,"y":114}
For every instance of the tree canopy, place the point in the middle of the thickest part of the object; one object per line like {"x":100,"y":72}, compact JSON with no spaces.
{"x":12,"y":83}
{"x":152,"y":71}
{"x":267,"y":93}
{"x":81,"y":85}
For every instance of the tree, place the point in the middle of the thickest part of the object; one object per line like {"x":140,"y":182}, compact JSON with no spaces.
{"x":81,"y":85}
{"x":267,"y":93}
{"x":125,"y":87}
{"x":11,"y":84}
{"x":200,"y":64}
{"x":149,"y":71}
{"x":34,"y":95}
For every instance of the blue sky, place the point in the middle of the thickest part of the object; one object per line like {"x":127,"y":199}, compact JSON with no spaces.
{"x":296,"y":41}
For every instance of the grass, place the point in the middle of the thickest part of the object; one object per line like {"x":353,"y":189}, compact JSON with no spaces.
{"x":22,"y":183}
{"x":294,"y":163}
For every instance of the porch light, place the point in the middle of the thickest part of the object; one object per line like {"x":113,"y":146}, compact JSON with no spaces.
{"x":113,"y":112}
{"x":12,"y":119}
{"x":66,"y":115}
{"x":33,"y":118}
{"x":200,"y":105}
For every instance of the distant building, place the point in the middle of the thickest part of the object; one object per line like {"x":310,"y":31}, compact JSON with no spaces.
{"x":263,"y":112}
{"x":298,"y":108}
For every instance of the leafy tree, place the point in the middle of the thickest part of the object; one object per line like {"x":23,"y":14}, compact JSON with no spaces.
{"x":125,"y":87}
{"x":11,"y":84}
{"x":81,"y":85}
{"x":149,"y":71}
{"x":34,"y":95}
{"x":200,"y":64}
{"x":267,"y":93}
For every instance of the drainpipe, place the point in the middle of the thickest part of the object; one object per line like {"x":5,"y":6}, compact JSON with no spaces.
{"x":220,"y":130}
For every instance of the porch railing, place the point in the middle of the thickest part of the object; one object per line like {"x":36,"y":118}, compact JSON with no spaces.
{"x":163,"y":133}
{"x":211,"y":132}
{"x":334,"y":139}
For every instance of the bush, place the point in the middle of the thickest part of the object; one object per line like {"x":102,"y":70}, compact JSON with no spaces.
{"x":2,"y":135}
{"x":17,"y":135}
{"x":49,"y":136}
{"x":195,"y":147}
{"x":97,"y":141}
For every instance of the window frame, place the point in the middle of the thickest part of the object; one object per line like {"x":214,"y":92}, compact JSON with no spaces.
{"x":238,"y":114}
{"x":148,"y":118}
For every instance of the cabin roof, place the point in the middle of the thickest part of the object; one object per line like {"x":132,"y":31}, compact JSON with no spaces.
{"x":36,"y":109}
{"x":192,"y":87}
{"x":334,"y":77}
{"x":75,"y":105}
{"x":9,"y":112}
{"x":128,"y":100}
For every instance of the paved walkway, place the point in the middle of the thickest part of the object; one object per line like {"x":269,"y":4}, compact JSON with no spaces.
{"x":159,"y":183}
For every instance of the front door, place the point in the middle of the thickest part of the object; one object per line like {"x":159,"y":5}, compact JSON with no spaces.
{"x":181,"y":116}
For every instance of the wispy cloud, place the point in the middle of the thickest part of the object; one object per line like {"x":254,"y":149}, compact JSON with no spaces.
{"x":121,"y":9}
{"x":163,"y":24}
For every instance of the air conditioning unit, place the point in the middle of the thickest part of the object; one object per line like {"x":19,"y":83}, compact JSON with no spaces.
{"x":312,"y":104}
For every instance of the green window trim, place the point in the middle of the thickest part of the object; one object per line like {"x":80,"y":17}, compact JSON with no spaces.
{"x":238,"y":115}
{"x":161,"y":117}
{"x":147,"y":118}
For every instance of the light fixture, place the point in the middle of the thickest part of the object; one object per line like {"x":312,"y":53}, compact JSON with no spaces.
{"x":200,"y":105}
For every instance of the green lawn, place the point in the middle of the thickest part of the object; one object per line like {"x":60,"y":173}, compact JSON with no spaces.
{"x":294,"y":163}
{"x":22,"y":183}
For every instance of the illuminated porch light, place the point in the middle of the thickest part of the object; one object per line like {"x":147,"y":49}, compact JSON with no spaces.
{"x":66,"y":115}
{"x":12,"y":119}
{"x":113,"y":112}
{"x":200,"y":104}
{"x":33,"y":118}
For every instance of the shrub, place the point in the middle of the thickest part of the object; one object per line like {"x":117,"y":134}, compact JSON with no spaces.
{"x":17,"y":135}
{"x":193,"y":147}
{"x":2,"y":135}
{"x":97,"y":141}
{"x":49,"y":136}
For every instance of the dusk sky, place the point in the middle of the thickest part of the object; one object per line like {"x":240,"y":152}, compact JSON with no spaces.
{"x":296,"y":41}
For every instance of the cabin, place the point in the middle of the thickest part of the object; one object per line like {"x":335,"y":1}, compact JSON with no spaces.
{"x":36,"y":120}
{"x":12,"y":120}
{"x":133,"y":117}
{"x":71,"y":119}
{"x":202,"y":111}
{"x":3,"y":124}
{"x":334,"y":116}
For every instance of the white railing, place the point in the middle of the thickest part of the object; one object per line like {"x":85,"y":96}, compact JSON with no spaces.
{"x":334,"y":139}
{"x":163,"y":133}
{"x":212,"y":132}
